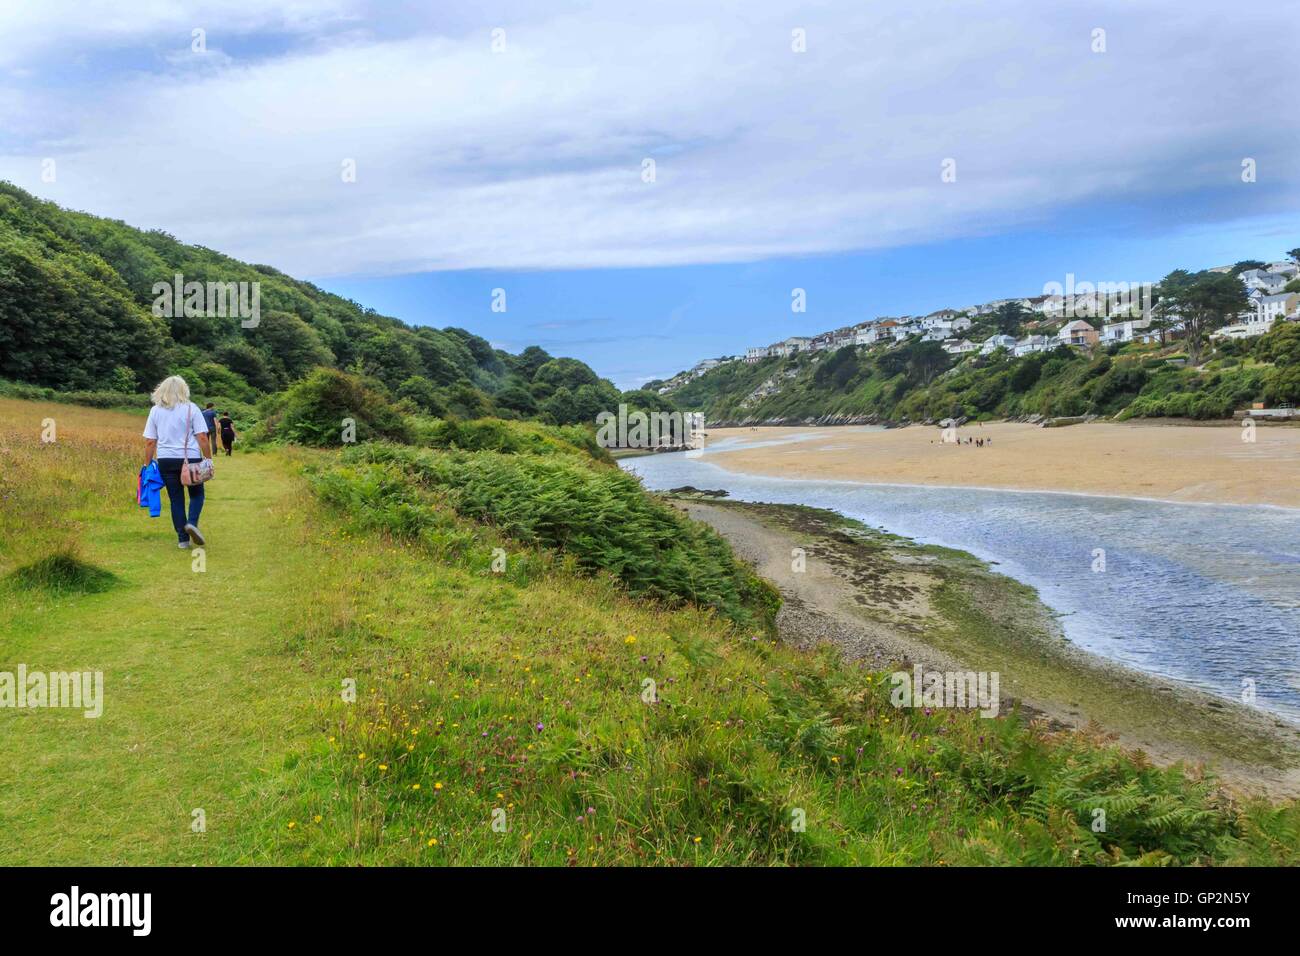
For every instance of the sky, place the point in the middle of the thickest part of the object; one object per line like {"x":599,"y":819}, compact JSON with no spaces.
{"x":649,"y":183}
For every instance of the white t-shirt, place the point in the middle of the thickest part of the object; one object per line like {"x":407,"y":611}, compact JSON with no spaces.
{"x":169,"y":426}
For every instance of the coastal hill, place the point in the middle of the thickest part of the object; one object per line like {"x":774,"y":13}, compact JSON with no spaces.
{"x":1209,"y":344}
{"x":78,"y":313}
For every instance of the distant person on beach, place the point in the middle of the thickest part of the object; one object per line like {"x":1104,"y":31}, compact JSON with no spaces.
{"x":176,"y":433}
{"x":227,"y":432}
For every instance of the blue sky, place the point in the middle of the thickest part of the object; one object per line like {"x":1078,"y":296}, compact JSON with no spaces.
{"x":794,"y":145}
{"x":635,"y":325}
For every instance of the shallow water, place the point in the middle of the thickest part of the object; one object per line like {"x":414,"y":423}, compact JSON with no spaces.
{"x":1205,"y":594}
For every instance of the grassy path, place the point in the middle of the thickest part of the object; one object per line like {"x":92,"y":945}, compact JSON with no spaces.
{"x":201,"y":702}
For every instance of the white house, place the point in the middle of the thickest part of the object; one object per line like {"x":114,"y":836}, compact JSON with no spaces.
{"x":796,"y":343}
{"x":1077,"y":333}
{"x":963,"y":347}
{"x":994,"y":342}
{"x":1284,"y":268}
{"x":1252,"y":326}
{"x":1270,"y":308}
{"x":1128,"y":330}
{"x":1265,"y":281}
{"x":906,"y":326}
{"x":1031,"y":344}
{"x":757,"y":354}
{"x":842,"y":337}
{"x":941,"y":318}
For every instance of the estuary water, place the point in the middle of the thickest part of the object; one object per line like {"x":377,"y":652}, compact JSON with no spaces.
{"x":1205,"y":594}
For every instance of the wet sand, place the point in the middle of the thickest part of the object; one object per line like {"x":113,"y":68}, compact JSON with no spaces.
{"x":888,"y":601}
{"x":1172,"y":462}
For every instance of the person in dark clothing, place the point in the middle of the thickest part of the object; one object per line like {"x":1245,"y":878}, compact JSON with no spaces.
{"x":210,"y":418}
{"x":227,"y":432}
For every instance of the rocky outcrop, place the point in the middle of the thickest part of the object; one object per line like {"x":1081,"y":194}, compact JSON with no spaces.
{"x":1068,"y":420}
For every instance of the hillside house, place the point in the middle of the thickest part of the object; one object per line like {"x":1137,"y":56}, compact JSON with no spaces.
{"x":1128,"y":330}
{"x":1267,"y":282}
{"x":1031,"y":344}
{"x":995,"y":342}
{"x":1078,"y":334}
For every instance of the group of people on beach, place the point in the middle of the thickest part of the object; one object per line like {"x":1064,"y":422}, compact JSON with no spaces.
{"x":977,"y":442}
{"x":178,"y":434}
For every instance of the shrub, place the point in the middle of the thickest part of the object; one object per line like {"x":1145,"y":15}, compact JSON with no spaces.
{"x":90,"y":399}
{"x":600,"y":516}
{"x":313,"y":412}
{"x":507,"y":437}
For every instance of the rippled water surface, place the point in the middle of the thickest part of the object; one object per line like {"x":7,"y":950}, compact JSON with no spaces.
{"x":1206,"y":594}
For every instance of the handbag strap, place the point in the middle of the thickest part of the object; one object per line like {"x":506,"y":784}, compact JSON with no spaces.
{"x":189,"y":424}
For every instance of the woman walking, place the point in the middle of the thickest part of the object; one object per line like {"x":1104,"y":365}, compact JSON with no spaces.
{"x":227,"y":432}
{"x":176,"y":434}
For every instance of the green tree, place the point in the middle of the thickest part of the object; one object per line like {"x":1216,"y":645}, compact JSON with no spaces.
{"x":565,"y":373}
{"x":1009,"y":317}
{"x":1202,"y":303}
{"x":248,"y":363}
{"x":424,"y":394}
{"x":290,"y":346}
{"x":560,"y":408}
{"x":516,"y":398}
{"x":530,"y":360}
{"x":927,"y":359}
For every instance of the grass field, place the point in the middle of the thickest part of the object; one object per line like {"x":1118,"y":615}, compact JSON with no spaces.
{"x":499,"y":718}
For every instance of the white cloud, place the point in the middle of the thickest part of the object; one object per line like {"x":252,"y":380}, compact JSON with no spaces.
{"x":532,"y":158}
{"x":56,"y":28}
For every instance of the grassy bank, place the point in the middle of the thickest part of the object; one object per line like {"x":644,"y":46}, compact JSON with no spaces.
{"x":536,"y":712}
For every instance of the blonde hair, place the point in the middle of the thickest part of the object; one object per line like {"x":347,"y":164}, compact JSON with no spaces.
{"x":171,"y":391}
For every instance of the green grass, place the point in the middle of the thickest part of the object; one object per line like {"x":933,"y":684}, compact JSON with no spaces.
{"x":522,"y":691}
{"x":62,"y":572}
{"x":596,"y":514}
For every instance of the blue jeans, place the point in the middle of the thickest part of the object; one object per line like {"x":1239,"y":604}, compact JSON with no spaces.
{"x":170,"y":469}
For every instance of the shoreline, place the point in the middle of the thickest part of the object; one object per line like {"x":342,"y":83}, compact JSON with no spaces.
{"x":886,"y":600}
{"x":1167,"y":463}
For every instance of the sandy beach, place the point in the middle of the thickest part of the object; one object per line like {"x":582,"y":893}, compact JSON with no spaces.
{"x":1174,"y":462}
